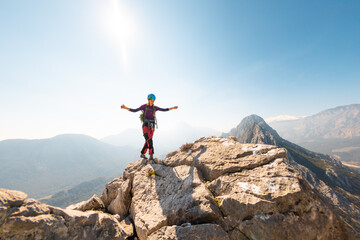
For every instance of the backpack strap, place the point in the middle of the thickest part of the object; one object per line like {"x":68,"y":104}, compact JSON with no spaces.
{"x":154,"y":111}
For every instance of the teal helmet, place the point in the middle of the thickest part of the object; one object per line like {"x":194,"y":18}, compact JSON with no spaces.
{"x":151,"y":96}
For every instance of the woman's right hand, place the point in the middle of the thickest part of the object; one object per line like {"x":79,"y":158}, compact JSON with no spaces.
{"x":123,"y":107}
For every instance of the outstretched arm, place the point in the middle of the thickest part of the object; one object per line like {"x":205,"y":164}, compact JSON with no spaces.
{"x":123,"y":107}
{"x":165,"y":109}
{"x":134,"y":110}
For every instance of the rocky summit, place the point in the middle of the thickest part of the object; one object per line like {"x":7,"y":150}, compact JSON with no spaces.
{"x":215,"y":188}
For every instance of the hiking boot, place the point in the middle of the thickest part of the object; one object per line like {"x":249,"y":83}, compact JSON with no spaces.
{"x":151,"y":157}
{"x":143,"y":156}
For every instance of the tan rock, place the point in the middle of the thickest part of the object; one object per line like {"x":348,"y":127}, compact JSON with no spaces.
{"x":111,"y":191}
{"x":121,"y":204}
{"x":165,"y":196}
{"x":34,"y":220}
{"x":194,"y":232}
{"x":94,"y":203}
{"x":11,"y":198}
{"x":128,"y":226}
{"x":214,"y":188}
{"x":133,"y":168}
{"x":216,"y":156}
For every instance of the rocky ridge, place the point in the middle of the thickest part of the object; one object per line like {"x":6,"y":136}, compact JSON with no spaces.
{"x":214,"y":188}
{"x":339,"y":185}
{"x":342,"y":122}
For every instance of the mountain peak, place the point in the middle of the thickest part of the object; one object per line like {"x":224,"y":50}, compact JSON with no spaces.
{"x":252,"y":118}
{"x":214,"y":188}
{"x":254,"y":129}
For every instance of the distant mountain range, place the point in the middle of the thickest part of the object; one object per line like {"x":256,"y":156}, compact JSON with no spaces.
{"x":338,"y":184}
{"x":164,"y":141}
{"x":54,"y":166}
{"x":46,"y":166}
{"x":57,"y":165}
{"x":77,"y":193}
{"x":334,"y":131}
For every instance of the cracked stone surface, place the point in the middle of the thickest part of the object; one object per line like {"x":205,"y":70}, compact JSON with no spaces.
{"x":214,"y":188}
{"x":30,"y":219}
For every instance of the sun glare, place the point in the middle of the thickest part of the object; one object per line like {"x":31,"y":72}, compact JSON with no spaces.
{"x":119,"y":25}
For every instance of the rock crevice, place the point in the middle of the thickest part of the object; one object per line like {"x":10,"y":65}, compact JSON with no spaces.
{"x":214,"y":188}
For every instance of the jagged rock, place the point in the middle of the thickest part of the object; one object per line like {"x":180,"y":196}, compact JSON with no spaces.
{"x":339,"y":185}
{"x":262,"y":201}
{"x":121,"y":204}
{"x":165,"y":196}
{"x":11,"y":198}
{"x":214,"y":188}
{"x":111,"y":191}
{"x":134,"y":167}
{"x":116,"y":197}
{"x":265,"y":189}
{"x":128,"y":226}
{"x":194,"y":232}
{"x":30,"y":219}
{"x":313,"y":225}
{"x":216,"y":156}
{"x":94,"y":203}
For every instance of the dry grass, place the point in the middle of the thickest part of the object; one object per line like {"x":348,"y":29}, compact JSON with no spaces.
{"x":186,"y":147}
{"x":171,"y":154}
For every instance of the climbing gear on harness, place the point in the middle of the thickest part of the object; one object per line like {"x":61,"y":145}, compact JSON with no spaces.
{"x":150,"y":123}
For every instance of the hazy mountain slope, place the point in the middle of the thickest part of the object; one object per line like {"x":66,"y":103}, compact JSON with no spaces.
{"x":165,"y":140}
{"x":334,"y":131}
{"x":43,"y":167}
{"x":340,"y":122}
{"x":214,"y":188}
{"x":347,"y":150}
{"x":78,"y":193}
{"x":338,"y":184}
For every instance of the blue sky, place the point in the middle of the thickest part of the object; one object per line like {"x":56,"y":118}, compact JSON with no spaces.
{"x":67,"y":66}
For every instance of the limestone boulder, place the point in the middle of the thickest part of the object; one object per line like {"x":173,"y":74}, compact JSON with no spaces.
{"x":214,"y":188}
{"x":194,"y":232}
{"x":216,"y":156}
{"x":111,"y":191}
{"x":94,"y":203}
{"x":274,"y":201}
{"x":30,"y":219}
{"x":121,"y":204}
{"x":11,"y":198}
{"x":116,"y":195}
{"x":166,"y":196}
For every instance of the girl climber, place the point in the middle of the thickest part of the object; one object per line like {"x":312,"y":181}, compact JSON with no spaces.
{"x":149,"y":122}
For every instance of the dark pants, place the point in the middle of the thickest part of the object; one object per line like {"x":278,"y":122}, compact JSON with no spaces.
{"x":148,"y":135}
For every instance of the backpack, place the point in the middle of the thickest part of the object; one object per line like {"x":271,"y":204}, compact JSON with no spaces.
{"x":142,"y":115}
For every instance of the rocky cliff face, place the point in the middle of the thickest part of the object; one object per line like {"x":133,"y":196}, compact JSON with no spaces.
{"x":214,"y":188}
{"x":337,"y":184}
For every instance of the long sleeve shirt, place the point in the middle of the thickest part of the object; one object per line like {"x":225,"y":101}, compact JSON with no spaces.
{"x":149,"y":114}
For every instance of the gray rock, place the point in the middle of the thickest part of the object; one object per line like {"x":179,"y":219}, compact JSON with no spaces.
{"x":94,"y":203}
{"x":165,"y":196}
{"x":121,"y":204}
{"x":128,"y":226}
{"x":35,"y":220}
{"x":214,"y":188}
{"x":11,"y":198}
{"x":111,"y":191}
{"x":194,"y":232}
{"x":216,"y":156}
